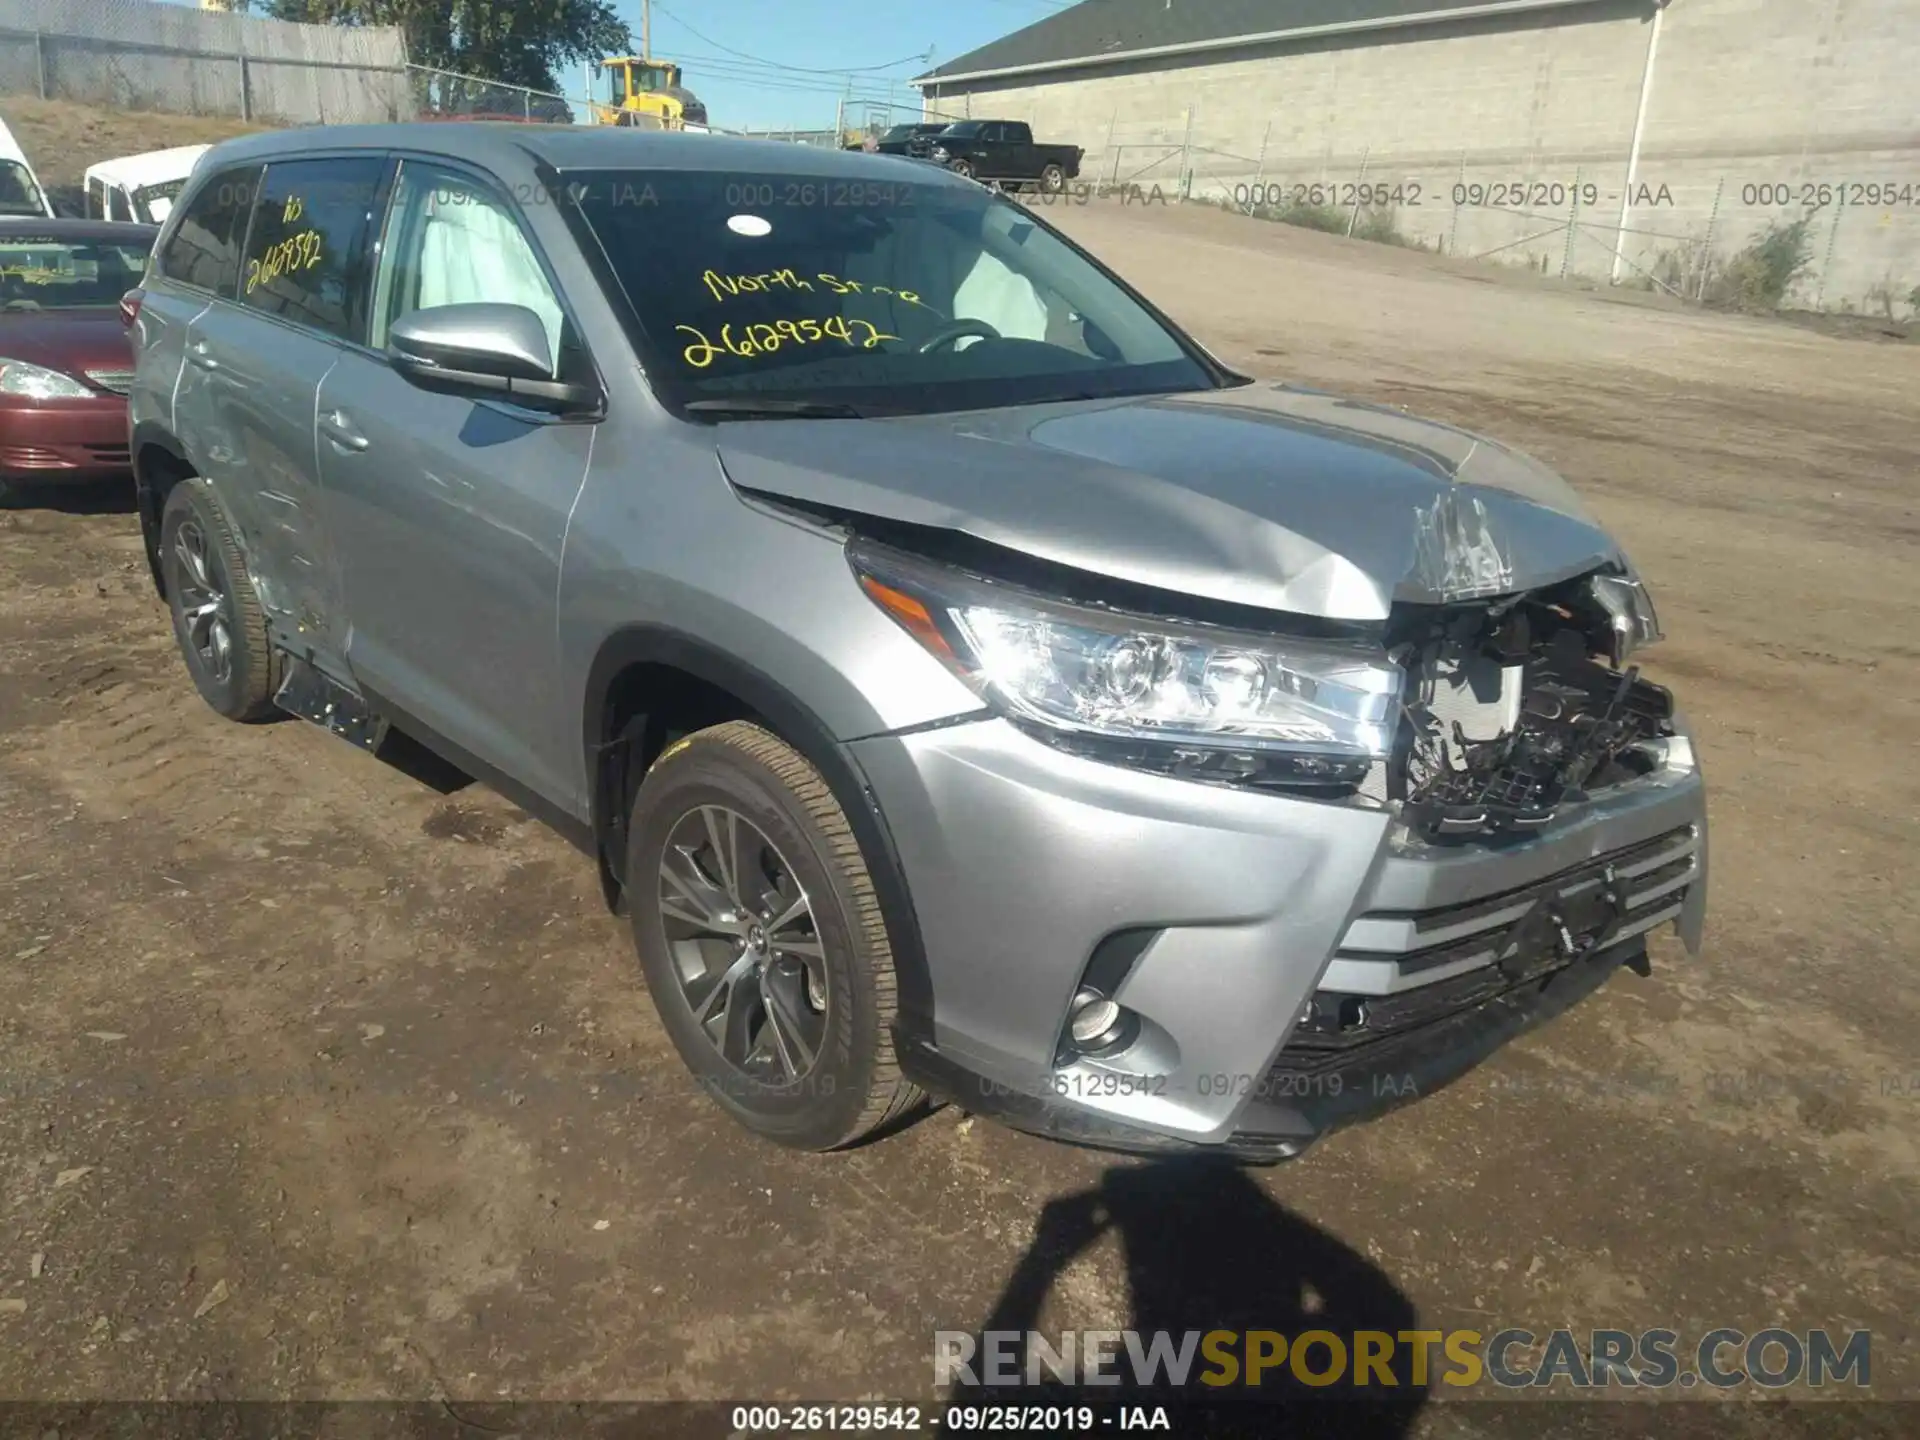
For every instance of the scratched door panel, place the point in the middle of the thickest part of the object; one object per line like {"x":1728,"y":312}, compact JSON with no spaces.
{"x":302,"y":300}
{"x":256,"y":435}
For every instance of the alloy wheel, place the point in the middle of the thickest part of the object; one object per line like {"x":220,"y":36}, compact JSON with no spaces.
{"x":744,"y":945}
{"x":204,"y":610}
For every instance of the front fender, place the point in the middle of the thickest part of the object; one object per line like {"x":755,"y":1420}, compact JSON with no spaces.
{"x":609,"y":754}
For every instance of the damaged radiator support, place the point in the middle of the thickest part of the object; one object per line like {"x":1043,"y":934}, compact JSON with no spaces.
{"x":1562,"y":724}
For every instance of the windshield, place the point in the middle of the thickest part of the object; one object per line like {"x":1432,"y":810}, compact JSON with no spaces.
{"x":18,"y":194}
{"x":40,"y":272}
{"x":890,"y":296}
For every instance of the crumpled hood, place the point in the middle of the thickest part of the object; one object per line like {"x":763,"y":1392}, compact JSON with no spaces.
{"x":1264,"y":495}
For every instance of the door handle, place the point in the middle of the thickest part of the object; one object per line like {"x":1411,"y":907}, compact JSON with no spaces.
{"x":198,"y":353}
{"x":339,"y":429}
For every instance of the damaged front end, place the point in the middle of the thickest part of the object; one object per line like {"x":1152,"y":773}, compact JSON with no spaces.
{"x":1520,"y":706}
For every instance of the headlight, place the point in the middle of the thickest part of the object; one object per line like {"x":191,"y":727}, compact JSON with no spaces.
{"x":939,"y":152}
{"x":1630,"y":616}
{"x":1184,"y":698}
{"x":36,"y":382}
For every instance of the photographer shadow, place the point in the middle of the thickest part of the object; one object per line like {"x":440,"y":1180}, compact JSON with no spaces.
{"x":1206,"y":1249}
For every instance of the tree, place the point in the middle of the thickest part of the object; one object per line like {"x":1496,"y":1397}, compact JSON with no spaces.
{"x":517,"y":42}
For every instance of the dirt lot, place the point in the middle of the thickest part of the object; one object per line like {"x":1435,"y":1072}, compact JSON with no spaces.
{"x":314,"y":1082}
{"x":62,"y":139}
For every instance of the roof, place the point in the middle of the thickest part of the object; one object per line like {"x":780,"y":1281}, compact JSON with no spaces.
{"x":1106,"y":32}
{"x":497,"y":146}
{"x":152,"y":168}
{"x":13,"y":228}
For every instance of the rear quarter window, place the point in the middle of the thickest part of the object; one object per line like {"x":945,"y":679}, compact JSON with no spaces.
{"x":204,"y":249}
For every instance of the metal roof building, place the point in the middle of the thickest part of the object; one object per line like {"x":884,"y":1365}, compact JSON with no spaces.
{"x":1638,"y":140}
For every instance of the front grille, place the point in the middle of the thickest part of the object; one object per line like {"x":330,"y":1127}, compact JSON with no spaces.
{"x":1397,"y":973}
{"x":118,"y":381}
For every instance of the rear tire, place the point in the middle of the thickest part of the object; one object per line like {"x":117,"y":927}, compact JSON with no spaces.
{"x":217,"y":618}
{"x":785,"y":1023}
{"x":1053,"y":180}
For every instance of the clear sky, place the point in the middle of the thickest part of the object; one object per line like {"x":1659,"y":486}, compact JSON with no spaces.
{"x":795,"y":58}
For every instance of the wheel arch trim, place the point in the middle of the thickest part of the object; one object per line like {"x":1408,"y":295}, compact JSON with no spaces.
{"x":607,"y":758}
{"x":152,"y":435}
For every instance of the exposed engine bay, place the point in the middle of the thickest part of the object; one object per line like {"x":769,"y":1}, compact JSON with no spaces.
{"x":1513,"y":706}
{"x":1516,"y":708}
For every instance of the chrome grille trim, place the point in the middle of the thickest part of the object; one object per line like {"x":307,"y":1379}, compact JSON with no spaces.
{"x":118,"y":381}
{"x":1388,"y":953}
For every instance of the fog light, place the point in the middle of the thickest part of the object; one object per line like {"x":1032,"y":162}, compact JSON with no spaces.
{"x":1095,"y":1020}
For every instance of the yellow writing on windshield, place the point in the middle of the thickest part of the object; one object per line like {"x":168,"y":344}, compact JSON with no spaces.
{"x":721,"y":287}
{"x":294,"y":209}
{"x":300,"y":252}
{"x":768,"y":338}
{"x":854,"y":287}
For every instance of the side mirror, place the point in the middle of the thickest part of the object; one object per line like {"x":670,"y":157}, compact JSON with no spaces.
{"x":483,"y":349}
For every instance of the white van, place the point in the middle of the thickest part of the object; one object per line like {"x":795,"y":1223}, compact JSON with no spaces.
{"x":141,"y":188}
{"x":20,"y":192}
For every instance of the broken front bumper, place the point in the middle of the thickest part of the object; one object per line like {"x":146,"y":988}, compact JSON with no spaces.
{"x":1294,"y":965}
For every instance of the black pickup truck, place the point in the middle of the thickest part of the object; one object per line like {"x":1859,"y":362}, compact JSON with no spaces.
{"x":905,"y":139}
{"x":1004,"y":150}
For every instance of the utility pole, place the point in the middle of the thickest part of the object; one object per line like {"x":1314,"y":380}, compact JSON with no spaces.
{"x":646,"y":29}
{"x":1639,"y":131}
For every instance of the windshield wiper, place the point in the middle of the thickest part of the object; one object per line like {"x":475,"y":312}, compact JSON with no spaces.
{"x":749,"y":407}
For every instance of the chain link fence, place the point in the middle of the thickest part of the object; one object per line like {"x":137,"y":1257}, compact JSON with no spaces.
{"x":874,"y":118}
{"x":137,"y":55}
{"x":142,"y":56}
{"x":446,"y":95}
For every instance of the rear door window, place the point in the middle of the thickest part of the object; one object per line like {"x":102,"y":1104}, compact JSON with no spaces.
{"x":204,"y":250}
{"x":306,"y":257}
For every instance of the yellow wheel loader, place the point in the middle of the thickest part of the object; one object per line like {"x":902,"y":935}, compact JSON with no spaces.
{"x":646,"y":94}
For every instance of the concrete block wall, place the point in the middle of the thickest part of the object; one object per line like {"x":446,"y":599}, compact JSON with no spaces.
{"x":1753,"y":101}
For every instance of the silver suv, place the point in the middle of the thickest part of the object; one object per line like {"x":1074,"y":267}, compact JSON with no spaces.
{"x":965,"y":684}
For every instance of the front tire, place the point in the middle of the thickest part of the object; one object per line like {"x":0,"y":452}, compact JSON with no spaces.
{"x":762,"y":942}
{"x":217,"y":618}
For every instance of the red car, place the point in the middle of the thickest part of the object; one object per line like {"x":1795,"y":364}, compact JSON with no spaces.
{"x":65,"y":361}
